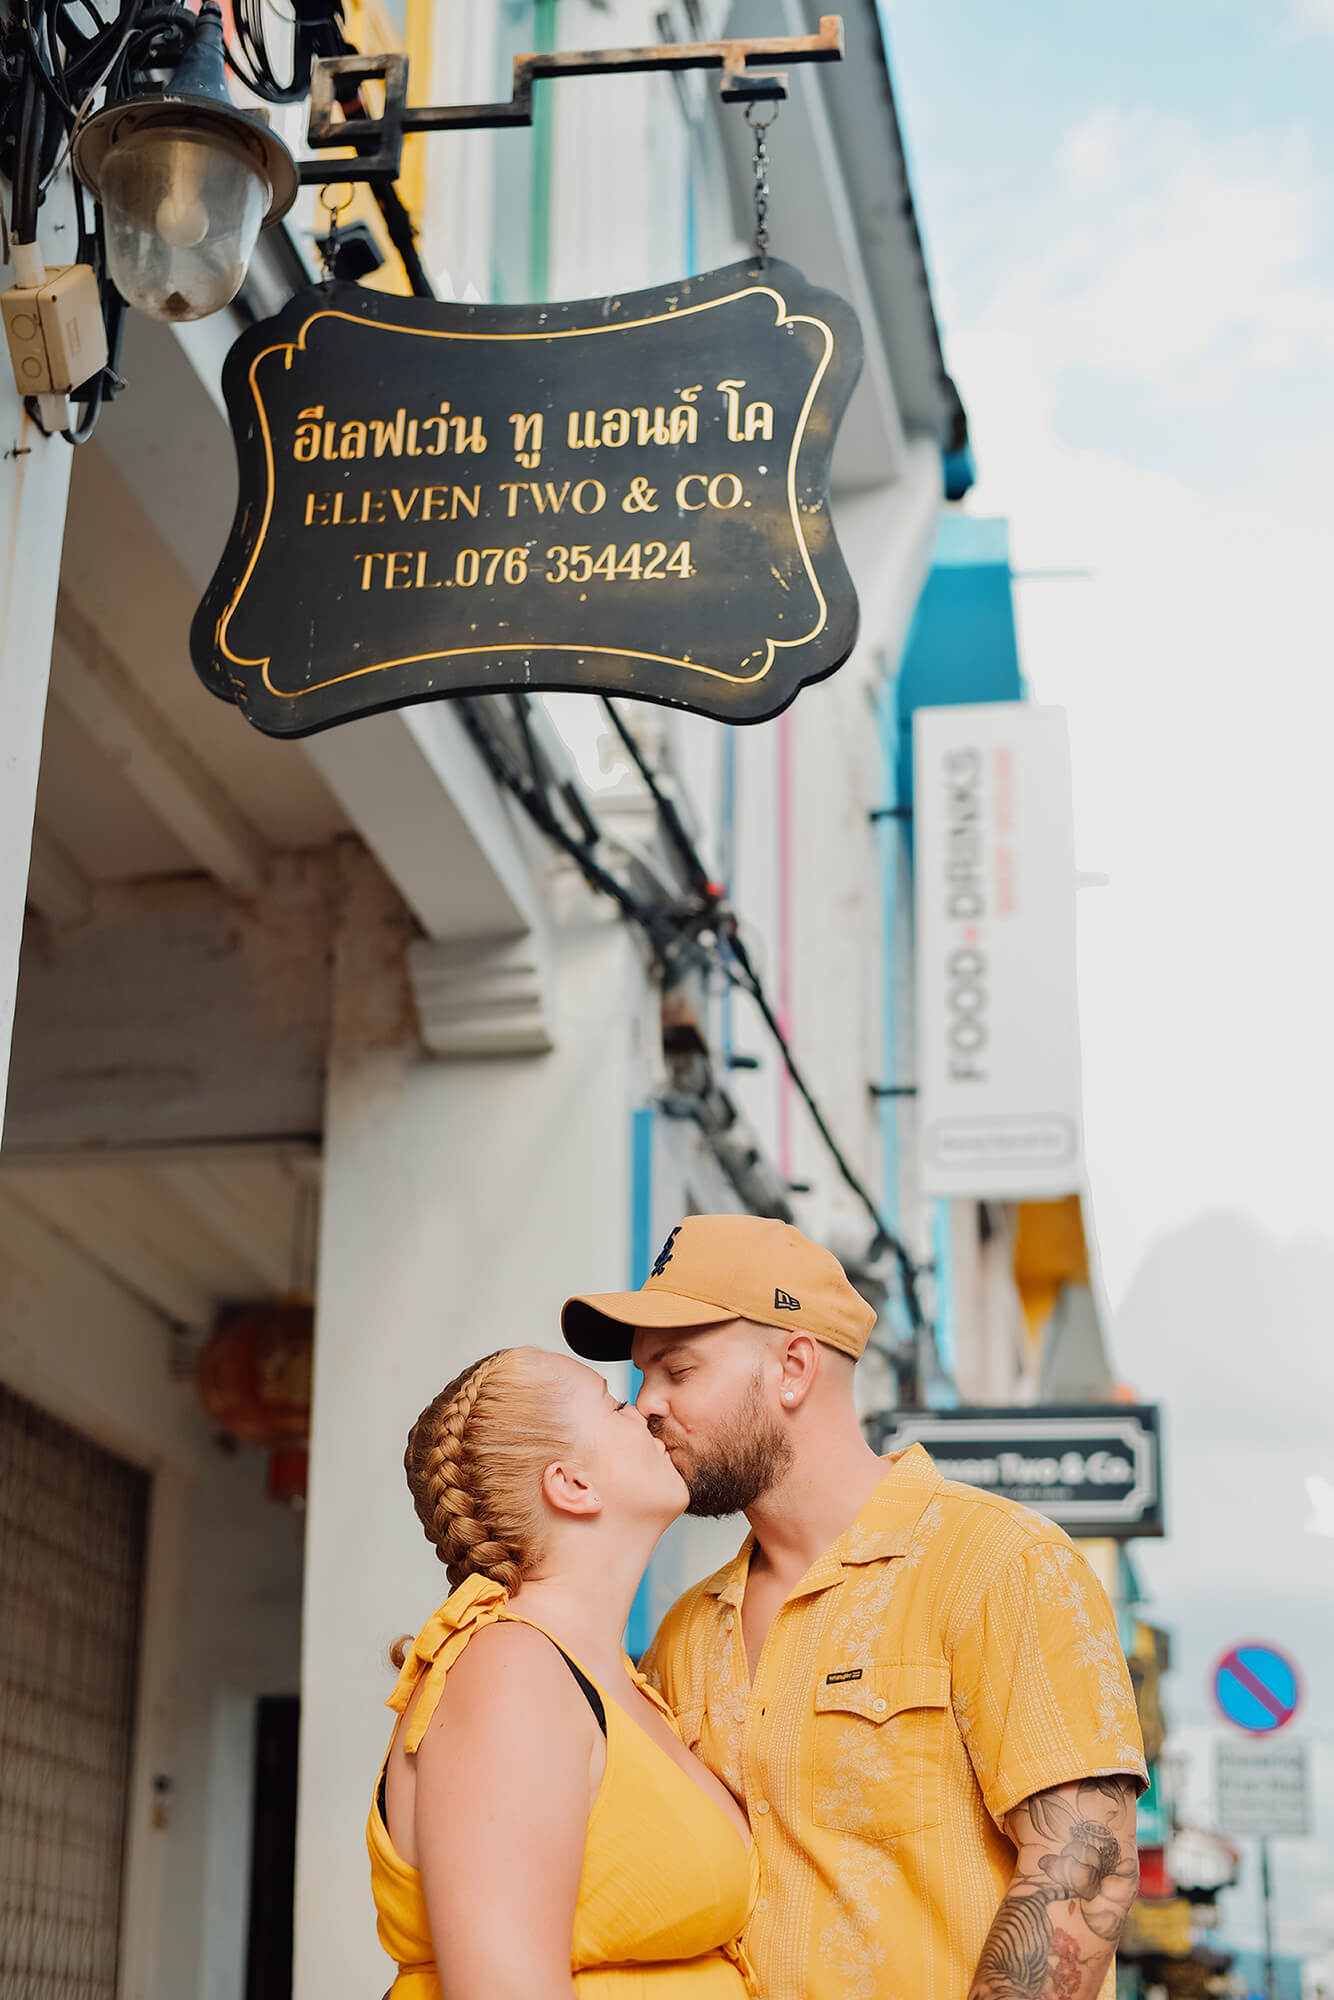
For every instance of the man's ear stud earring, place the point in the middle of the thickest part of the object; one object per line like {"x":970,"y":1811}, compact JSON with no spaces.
{"x":789,"y":1396}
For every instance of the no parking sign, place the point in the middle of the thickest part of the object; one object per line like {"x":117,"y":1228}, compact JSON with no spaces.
{"x":1257,"y":1687}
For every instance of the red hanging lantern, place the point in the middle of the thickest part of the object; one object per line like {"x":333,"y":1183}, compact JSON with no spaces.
{"x":253,"y":1378}
{"x":1155,"y":1883}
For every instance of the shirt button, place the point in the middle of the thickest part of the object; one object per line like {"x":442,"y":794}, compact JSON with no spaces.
{"x":761,"y":1805}
{"x":762,"y":1903}
{"x":880,"y":1706}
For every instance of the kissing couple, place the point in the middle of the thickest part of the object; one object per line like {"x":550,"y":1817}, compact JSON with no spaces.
{"x":889,"y":1752}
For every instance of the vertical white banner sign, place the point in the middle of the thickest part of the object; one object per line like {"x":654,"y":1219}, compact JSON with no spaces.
{"x":998,"y":1070}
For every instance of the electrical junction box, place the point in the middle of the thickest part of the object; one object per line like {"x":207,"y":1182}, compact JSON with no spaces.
{"x":56,"y":333}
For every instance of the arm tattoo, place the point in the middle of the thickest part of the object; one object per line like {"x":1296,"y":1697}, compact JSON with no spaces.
{"x":1076,"y":1847}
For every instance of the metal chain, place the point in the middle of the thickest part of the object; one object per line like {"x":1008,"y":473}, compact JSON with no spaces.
{"x":333,"y":209}
{"x":760,"y":162}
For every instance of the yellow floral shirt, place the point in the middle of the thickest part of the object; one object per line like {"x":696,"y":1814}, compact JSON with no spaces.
{"x":949,"y":1656}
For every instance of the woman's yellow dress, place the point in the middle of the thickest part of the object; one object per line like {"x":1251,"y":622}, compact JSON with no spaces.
{"x":668,"y":1882}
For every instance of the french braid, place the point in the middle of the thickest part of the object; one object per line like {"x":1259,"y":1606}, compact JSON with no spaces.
{"x":475,"y":1459}
{"x":441,"y":1468}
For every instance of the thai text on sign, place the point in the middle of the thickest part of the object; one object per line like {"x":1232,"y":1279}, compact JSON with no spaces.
{"x":624,"y":494}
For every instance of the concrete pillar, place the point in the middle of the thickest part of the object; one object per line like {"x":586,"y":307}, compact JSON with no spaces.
{"x":34,"y":484}
{"x":463,"y":1200}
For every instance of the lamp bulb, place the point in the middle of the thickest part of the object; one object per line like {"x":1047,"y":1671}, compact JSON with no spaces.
{"x":181,"y":220}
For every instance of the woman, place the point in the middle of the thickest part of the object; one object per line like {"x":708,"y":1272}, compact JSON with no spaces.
{"x":538,"y":1816}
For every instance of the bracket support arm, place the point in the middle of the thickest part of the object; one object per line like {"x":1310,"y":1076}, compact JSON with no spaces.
{"x":339,"y":117}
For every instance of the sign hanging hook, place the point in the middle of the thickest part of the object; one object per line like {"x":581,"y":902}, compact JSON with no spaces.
{"x":760,"y":164}
{"x":333,"y":209}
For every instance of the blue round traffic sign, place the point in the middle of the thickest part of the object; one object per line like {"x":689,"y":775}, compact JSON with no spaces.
{"x":1257,"y":1687}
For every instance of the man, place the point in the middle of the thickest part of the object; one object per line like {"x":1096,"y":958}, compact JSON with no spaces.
{"x":914,"y":1688}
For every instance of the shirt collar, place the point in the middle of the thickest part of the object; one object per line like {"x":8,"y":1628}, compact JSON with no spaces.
{"x":728,"y":1584}
{"x":887,"y":1522}
{"x":883,"y":1528}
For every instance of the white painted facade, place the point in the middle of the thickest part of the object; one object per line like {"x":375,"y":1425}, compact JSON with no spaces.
{"x":239,"y":955}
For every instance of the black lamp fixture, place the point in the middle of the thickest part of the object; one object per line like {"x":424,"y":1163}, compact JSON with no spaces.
{"x":185,"y":181}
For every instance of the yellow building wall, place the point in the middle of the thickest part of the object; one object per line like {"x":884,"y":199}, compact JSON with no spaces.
{"x":1049,"y":1251}
{"x":372,"y":30}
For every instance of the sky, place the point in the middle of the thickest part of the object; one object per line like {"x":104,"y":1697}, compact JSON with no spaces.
{"x":1129,"y":216}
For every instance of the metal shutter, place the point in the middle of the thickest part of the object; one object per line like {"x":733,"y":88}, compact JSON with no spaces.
{"x":72,"y":1531}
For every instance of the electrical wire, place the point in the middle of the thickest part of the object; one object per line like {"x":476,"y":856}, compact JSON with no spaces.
{"x":907,"y":1268}
{"x":398,"y":224}
{"x":65,"y":64}
{"x":697,"y":874}
{"x":316,"y":28}
{"x":74,"y":72}
{"x":730,"y":939}
{"x":533,"y":800}
{"x":674,"y":940}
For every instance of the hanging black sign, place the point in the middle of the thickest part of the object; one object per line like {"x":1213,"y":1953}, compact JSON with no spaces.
{"x":623,"y":494}
{"x":1094,"y":1468}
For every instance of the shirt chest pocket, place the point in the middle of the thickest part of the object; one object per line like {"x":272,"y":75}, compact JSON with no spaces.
{"x":880,"y":1745}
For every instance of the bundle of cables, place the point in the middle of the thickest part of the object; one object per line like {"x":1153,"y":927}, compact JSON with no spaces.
{"x":700,"y":933}
{"x":316,"y":29}
{"x":61,"y":60}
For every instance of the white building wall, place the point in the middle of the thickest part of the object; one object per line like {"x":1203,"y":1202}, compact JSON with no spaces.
{"x":619,"y":164}
{"x":459,"y":216}
{"x":834,"y":891}
{"x":463,"y":1201}
{"x":34,"y":483}
{"x":83,"y":1347}
{"x":239,"y":1637}
{"x":221,"y":1621}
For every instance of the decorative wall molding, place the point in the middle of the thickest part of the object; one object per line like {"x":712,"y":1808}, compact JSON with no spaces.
{"x":482,"y":996}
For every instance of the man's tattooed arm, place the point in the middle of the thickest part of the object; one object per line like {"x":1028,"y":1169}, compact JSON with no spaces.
{"x":1074,"y":1880}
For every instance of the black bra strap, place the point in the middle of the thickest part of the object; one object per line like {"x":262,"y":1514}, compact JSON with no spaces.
{"x":591,"y":1695}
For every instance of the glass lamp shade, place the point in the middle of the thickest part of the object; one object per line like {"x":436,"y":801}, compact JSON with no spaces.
{"x":182,"y":206}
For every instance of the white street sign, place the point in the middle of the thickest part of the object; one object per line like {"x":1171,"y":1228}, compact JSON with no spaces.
{"x":997,"y":1029}
{"x":1264,"y":1788}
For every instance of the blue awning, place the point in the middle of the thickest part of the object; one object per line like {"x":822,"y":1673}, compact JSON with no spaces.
{"x":962,"y":645}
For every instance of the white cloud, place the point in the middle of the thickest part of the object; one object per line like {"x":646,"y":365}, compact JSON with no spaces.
{"x":1312,"y":17}
{"x":1172,"y":261}
{"x":1196,"y":668}
{"x":1320,"y":1493}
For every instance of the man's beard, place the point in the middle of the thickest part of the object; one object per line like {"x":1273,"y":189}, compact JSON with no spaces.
{"x":748,"y":1458}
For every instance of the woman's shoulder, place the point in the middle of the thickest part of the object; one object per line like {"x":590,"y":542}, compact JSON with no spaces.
{"x":509,"y":1662}
{"x":511,"y":1715}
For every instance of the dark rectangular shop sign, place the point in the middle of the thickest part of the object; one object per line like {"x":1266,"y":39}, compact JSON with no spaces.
{"x":1094,"y":1469}
{"x":623,"y":494}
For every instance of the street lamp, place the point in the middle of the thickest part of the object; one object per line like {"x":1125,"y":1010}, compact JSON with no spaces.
{"x":186,"y":181}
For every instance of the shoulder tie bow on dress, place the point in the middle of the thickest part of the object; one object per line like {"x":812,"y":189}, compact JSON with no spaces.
{"x":478,"y":1601}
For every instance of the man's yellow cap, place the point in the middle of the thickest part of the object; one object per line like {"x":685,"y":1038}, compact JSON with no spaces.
{"x":719,"y":1267}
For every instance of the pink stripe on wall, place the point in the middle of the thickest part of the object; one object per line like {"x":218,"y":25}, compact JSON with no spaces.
{"x":784,"y":1008}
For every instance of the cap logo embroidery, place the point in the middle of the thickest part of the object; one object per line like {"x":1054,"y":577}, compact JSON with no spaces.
{"x":665,"y":1254}
{"x":786,"y":1303}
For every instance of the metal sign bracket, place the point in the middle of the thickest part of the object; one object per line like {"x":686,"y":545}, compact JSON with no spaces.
{"x":340,"y":118}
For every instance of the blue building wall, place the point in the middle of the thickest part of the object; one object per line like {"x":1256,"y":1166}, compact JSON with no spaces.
{"x":962,"y":647}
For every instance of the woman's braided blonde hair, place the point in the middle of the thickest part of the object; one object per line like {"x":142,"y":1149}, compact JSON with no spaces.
{"x":475,"y":1460}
